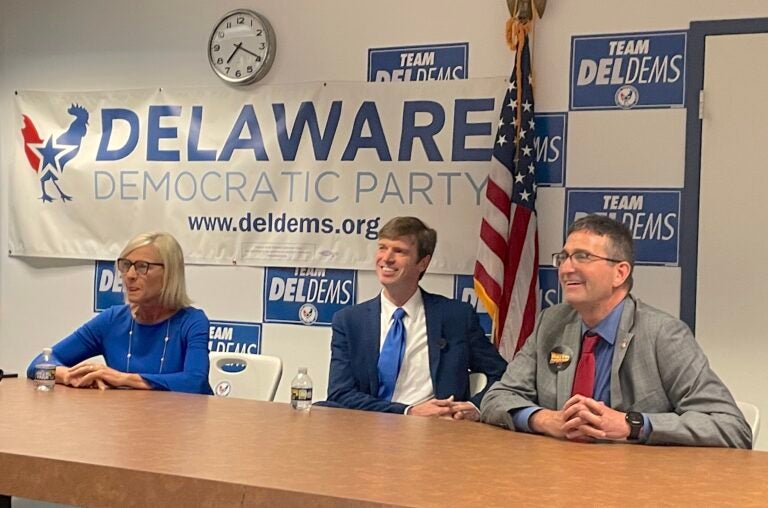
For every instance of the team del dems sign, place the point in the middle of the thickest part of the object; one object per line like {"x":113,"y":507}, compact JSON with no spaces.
{"x":308,"y":296}
{"x":623,"y":71}
{"x":419,"y":63}
{"x":652,"y":217}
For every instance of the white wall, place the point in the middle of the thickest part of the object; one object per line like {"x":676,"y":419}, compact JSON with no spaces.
{"x":86,"y":45}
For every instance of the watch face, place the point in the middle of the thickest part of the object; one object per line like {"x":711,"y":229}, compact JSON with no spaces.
{"x":634,"y":418}
{"x":242,"y":47}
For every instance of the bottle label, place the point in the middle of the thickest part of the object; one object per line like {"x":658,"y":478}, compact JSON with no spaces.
{"x":45,"y":373}
{"x":301,"y":394}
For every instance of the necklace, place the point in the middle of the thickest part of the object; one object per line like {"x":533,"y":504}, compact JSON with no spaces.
{"x":130,"y":343}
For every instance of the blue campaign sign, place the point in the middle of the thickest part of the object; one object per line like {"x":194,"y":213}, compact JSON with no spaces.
{"x":419,"y":63}
{"x":652,"y":216}
{"x":631,"y":70}
{"x":549,"y":287}
{"x":549,"y":145}
{"x":107,"y":286}
{"x":464,"y":290}
{"x":234,"y":337}
{"x":309,"y":296}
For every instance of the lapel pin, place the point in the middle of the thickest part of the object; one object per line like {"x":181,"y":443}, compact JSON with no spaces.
{"x":560,"y":358}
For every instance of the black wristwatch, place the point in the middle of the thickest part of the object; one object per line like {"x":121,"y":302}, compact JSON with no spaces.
{"x":635,"y":421}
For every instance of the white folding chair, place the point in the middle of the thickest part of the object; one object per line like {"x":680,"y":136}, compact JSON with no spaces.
{"x":477,"y":381}
{"x":256,"y":377}
{"x":752,"y":415}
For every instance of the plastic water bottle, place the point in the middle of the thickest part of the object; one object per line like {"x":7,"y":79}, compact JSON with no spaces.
{"x":301,"y":391}
{"x":45,"y":372}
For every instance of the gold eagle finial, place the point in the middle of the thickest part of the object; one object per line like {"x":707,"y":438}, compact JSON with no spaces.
{"x":524,"y":10}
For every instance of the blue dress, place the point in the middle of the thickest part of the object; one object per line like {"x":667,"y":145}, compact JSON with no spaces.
{"x":185,"y":364}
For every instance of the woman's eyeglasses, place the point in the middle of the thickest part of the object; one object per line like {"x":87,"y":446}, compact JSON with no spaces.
{"x":141,"y":267}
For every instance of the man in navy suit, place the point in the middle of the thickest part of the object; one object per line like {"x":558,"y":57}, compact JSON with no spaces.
{"x":443,"y":340}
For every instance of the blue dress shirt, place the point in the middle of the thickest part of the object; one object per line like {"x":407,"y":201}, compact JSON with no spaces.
{"x":607,"y":330}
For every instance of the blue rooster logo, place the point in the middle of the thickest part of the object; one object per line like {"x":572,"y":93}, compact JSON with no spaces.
{"x":49,"y":158}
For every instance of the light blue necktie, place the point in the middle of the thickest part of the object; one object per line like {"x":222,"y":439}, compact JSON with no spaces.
{"x":391,"y":356}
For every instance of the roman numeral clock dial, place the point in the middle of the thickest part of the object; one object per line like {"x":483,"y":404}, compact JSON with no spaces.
{"x":242,"y":47}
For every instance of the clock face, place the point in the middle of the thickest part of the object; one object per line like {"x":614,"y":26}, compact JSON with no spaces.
{"x":242,"y":47}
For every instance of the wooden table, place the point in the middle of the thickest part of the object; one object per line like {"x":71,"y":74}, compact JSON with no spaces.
{"x":135,"y":448}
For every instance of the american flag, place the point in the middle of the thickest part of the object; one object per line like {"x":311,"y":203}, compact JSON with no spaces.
{"x":507,"y":270}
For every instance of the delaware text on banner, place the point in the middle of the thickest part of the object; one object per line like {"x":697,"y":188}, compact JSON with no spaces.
{"x":299,"y":175}
{"x":506,"y":270}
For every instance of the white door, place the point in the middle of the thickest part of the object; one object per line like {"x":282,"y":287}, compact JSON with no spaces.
{"x":732,"y":290}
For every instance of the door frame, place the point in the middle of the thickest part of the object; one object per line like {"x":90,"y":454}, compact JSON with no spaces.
{"x":689,"y":200}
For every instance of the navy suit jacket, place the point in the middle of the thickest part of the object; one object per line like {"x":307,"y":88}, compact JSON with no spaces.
{"x":455,"y":341}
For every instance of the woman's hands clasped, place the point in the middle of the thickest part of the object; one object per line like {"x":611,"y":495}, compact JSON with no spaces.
{"x":90,"y":375}
{"x":97,"y":375}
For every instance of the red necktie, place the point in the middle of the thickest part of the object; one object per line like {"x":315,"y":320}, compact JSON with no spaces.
{"x":584,"y":381}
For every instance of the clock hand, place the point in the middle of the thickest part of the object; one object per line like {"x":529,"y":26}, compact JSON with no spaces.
{"x":258,"y":57}
{"x":239,"y":45}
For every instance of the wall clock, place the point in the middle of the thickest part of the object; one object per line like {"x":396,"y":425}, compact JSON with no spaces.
{"x":242,"y":47}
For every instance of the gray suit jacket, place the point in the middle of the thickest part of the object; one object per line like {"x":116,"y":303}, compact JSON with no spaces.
{"x":658,"y":369}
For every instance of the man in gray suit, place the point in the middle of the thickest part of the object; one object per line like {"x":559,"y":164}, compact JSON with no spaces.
{"x":607,"y":367}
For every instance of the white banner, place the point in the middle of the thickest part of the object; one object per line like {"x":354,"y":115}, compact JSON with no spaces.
{"x":289,"y":175}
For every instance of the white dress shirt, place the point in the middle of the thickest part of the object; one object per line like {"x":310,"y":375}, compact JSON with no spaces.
{"x":414,"y":382}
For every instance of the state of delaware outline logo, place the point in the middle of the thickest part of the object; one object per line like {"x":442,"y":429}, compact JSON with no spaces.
{"x":48,"y":158}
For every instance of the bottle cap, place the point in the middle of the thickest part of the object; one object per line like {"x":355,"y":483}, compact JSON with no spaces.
{"x":303,"y":370}
{"x":47,"y":351}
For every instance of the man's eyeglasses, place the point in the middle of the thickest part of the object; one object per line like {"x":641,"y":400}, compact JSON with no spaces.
{"x":579,"y":257}
{"x":141,"y":267}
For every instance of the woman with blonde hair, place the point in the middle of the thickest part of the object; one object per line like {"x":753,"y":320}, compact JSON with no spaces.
{"x":156,"y":341}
